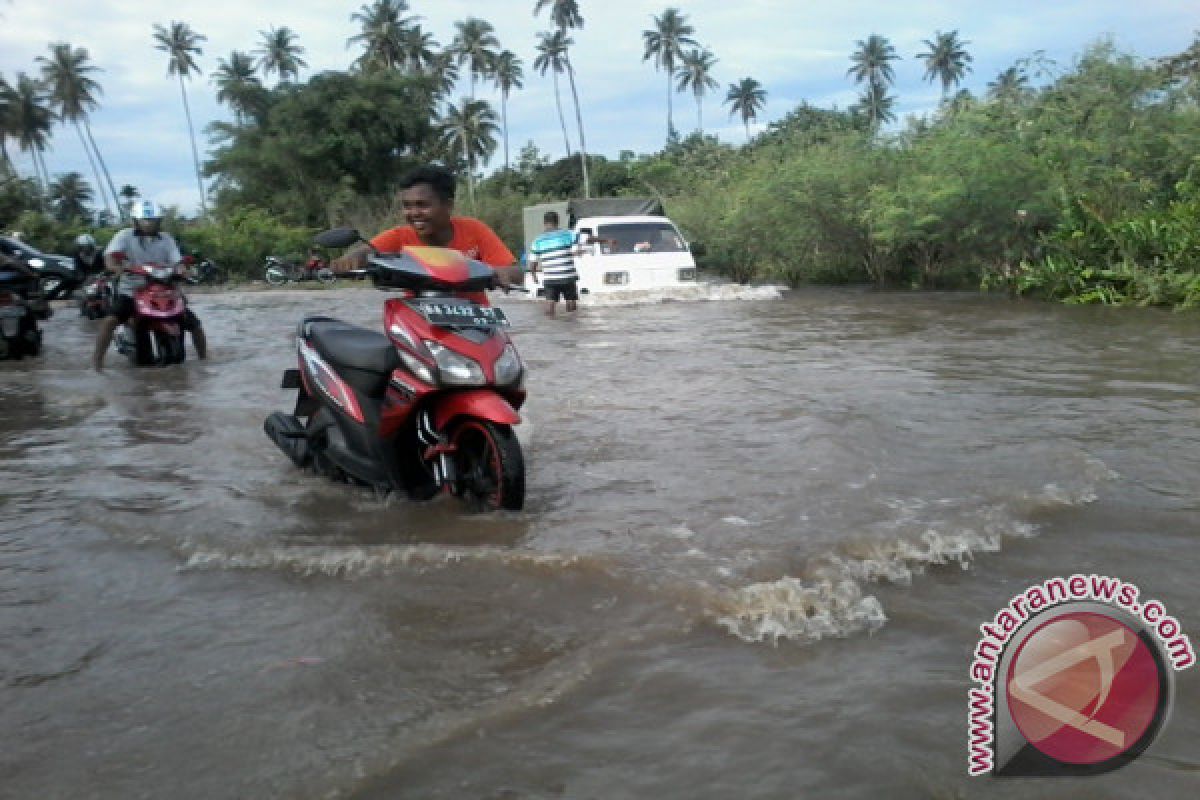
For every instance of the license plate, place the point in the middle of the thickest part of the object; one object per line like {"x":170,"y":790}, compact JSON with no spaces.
{"x":462,"y":315}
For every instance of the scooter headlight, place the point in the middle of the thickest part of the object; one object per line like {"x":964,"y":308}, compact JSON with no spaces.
{"x":508,"y":366}
{"x":454,"y":368}
{"x":417,"y":367}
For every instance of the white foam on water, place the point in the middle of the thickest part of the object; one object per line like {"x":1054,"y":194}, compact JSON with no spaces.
{"x":356,"y":562}
{"x":701,"y":292}
{"x":830,"y":600}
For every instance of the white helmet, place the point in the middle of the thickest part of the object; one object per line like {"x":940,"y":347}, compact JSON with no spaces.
{"x":85,"y":241}
{"x":146,"y":209}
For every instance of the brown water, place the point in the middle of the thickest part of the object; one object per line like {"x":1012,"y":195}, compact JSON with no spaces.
{"x":760,"y":535}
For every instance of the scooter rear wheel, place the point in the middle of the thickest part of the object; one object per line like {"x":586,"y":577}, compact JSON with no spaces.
{"x":489,"y":465}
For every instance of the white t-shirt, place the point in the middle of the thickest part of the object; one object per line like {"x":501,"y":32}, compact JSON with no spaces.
{"x":139,"y":250}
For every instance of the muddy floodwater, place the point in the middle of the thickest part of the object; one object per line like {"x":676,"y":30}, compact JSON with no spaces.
{"x":760,"y":535}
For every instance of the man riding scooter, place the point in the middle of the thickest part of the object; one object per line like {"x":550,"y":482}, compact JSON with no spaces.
{"x":144,"y":243}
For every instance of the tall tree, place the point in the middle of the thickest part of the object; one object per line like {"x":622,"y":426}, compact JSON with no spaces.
{"x":471,"y":131}
{"x":280,"y":53}
{"x":128,"y":193}
{"x":381,"y":32}
{"x":182,"y":45}
{"x":70,"y":196}
{"x":6,"y":127}
{"x":872,"y":64}
{"x":664,"y":43}
{"x":30,"y":120}
{"x":552,"y":50}
{"x":475,"y":47}
{"x":507,"y":75}
{"x":73,"y":91}
{"x":238,"y":86}
{"x":445,"y":73}
{"x":695,"y":73}
{"x":565,"y":15}
{"x":946,"y":60}
{"x":1009,"y":86}
{"x":418,"y":50}
{"x":746,"y":98}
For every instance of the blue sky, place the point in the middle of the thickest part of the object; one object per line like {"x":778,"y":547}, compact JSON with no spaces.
{"x":799,"y":52}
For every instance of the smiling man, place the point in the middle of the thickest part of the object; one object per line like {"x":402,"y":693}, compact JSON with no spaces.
{"x":427,"y":200}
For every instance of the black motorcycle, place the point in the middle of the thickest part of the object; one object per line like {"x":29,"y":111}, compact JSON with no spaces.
{"x":205,"y":272}
{"x":22,"y":304}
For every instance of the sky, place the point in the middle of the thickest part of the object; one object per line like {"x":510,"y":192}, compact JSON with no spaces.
{"x":798,"y":51}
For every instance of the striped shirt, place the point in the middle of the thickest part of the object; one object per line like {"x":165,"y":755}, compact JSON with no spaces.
{"x":554,"y":254}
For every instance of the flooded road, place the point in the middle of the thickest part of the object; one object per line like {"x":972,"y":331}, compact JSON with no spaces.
{"x":759,"y":538}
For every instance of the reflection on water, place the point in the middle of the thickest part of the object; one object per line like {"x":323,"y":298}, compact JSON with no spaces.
{"x":754,"y":521}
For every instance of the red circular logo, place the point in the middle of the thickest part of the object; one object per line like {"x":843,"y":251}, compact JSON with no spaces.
{"x":1083,"y":688}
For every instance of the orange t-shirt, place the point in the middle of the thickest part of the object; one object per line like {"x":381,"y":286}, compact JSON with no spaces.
{"x":472,"y":238}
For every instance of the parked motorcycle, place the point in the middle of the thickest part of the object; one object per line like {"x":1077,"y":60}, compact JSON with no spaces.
{"x":22,"y":304}
{"x":154,"y":334}
{"x":278,"y":272}
{"x":96,"y":299}
{"x":426,"y":408}
{"x":205,"y":272}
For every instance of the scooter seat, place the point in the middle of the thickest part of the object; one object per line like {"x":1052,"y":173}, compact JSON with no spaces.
{"x":347,"y":345}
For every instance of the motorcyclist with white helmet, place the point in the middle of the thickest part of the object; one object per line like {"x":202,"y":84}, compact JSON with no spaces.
{"x":144,"y":243}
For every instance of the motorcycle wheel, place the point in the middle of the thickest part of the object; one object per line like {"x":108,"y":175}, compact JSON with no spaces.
{"x":489,"y":465}
{"x":169,"y":348}
{"x":326,"y":276}
{"x":276,"y":277}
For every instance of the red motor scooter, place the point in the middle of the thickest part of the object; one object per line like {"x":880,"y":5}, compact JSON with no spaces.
{"x":154,"y":334}
{"x":429,"y":406}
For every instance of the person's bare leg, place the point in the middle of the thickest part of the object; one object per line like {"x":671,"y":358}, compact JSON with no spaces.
{"x":199,"y":342}
{"x":104,"y":336}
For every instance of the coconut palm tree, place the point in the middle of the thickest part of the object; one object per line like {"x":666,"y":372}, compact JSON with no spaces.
{"x":747,"y":98}
{"x":237,"y":84}
{"x":470,"y":130}
{"x":507,"y":75}
{"x":30,"y":120}
{"x":280,"y":54}
{"x":381,"y":30}
{"x":664,"y":43}
{"x":475,"y":47}
{"x":73,"y":91}
{"x":946,"y":60}
{"x":1010,"y":86}
{"x":694,"y":74}
{"x":565,"y":15}
{"x":418,"y":50}
{"x":70,"y":196}
{"x":552,"y":49}
{"x":6,"y":101}
{"x":182,"y":45}
{"x":445,"y":72}
{"x":128,"y":194}
{"x":872,"y":63}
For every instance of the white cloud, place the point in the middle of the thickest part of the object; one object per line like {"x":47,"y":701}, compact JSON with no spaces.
{"x":798,"y":52}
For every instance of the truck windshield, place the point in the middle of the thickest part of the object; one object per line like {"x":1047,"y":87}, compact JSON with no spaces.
{"x":640,"y":237}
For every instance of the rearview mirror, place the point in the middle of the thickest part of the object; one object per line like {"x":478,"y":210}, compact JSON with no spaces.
{"x":338,"y":237}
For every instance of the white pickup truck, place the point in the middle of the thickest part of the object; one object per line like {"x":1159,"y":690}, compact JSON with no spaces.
{"x":629,"y":244}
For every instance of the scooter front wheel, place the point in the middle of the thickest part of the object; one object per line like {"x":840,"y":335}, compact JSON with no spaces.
{"x":326,"y":276}
{"x":276,"y":276}
{"x":489,"y":466}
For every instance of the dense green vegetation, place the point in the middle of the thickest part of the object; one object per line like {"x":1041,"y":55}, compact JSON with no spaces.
{"x":1083,"y":189}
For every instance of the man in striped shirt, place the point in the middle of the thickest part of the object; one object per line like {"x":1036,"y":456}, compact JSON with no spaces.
{"x":554,"y":253}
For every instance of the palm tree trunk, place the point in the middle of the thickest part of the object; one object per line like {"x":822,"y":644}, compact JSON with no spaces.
{"x":108,"y":177}
{"x":504,"y":119}
{"x":470,"y":169}
{"x":670,"y":122}
{"x":700,"y":115}
{"x":561,"y":119}
{"x":746,"y":122}
{"x":587,"y":186}
{"x":39,"y":166}
{"x":195,"y":155}
{"x":95,"y":170}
